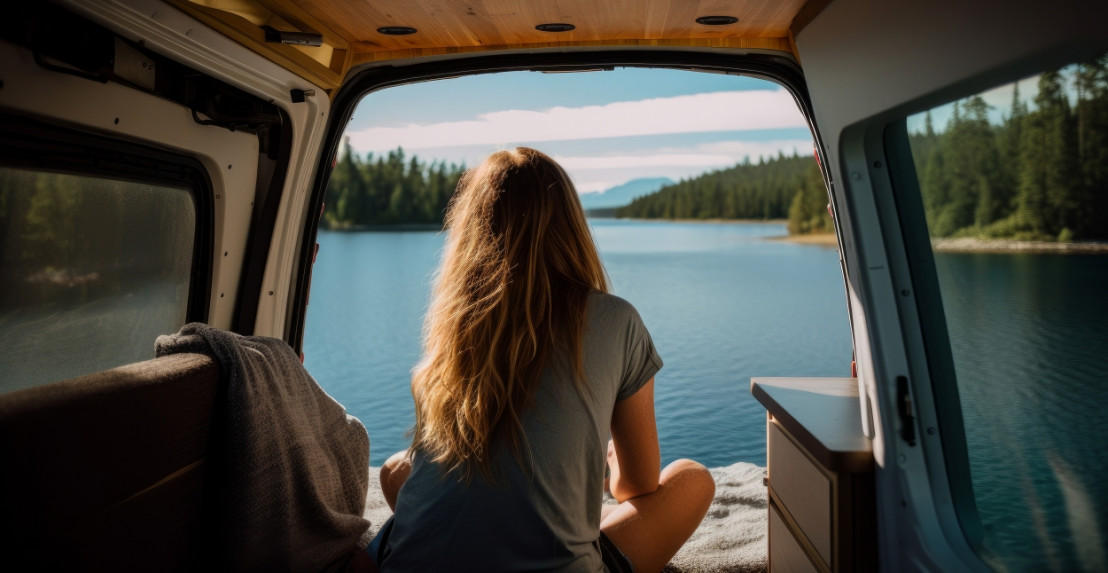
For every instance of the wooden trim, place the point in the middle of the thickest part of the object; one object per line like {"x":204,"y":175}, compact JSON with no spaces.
{"x":252,"y":36}
{"x":805,"y":15}
{"x":779,"y":44}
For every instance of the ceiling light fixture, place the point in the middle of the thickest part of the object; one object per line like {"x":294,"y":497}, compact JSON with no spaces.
{"x":716,"y":20}
{"x":396,"y":30}
{"x":555,"y":27}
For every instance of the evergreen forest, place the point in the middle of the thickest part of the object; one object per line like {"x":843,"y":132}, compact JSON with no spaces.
{"x":1040,"y":174}
{"x":782,"y":187}
{"x":387,"y":190}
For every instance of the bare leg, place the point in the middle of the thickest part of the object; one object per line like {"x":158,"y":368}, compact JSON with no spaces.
{"x":650,"y":528}
{"x":393,"y":475}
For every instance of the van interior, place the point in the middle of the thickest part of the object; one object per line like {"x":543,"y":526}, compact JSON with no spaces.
{"x":166,"y":162}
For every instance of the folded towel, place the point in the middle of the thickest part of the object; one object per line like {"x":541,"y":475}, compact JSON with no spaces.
{"x":289,"y":467}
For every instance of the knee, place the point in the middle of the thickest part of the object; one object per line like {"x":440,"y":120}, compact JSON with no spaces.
{"x":398,"y":464}
{"x":394,"y":473}
{"x":693,"y":478}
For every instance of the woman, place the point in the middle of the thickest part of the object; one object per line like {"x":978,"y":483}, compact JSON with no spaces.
{"x":528,"y":365}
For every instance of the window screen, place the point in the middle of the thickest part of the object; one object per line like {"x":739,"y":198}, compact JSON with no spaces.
{"x":92,"y":270}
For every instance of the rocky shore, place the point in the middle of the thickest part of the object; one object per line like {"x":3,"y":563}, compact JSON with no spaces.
{"x":975,"y":245}
{"x":971,"y":245}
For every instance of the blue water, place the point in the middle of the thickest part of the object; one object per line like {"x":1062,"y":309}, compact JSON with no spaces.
{"x":722,"y":303}
{"x":1029,"y":334}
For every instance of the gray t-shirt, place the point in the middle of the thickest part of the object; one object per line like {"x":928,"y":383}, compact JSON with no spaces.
{"x":547,"y":519}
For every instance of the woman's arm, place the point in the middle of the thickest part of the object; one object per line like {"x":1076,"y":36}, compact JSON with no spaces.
{"x":634,"y":460}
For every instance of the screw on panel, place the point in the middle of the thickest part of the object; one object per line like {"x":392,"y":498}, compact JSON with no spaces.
{"x":855,"y":176}
{"x":931,"y":431}
{"x":905,"y":292}
{"x":877,"y":165}
{"x":225,"y":253}
{"x":270,"y":293}
{"x":117,"y":121}
{"x":217,"y":196}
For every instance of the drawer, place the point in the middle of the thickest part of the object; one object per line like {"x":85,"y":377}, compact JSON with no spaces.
{"x":804,"y":490}
{"x":785,"y":554}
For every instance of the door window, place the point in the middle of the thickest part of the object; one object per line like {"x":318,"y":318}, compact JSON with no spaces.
{"x":1014,"y":183}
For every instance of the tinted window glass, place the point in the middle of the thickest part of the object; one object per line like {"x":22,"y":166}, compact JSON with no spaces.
{"x":93,"y":270}
{"x":1014,"y":183}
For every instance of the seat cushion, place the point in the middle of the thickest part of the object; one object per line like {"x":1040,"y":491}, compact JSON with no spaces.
{"x":106,"y":471}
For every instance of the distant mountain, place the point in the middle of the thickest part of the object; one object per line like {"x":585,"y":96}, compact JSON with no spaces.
{"x":621,"y":195}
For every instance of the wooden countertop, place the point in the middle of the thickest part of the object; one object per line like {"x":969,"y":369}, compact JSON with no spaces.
{"x":823,"y":415}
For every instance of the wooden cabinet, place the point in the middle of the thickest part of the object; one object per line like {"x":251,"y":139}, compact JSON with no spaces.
{"x":820,"y":476}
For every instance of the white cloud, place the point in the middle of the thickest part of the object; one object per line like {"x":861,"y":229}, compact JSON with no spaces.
{"x":593,"y":186}
{"x":591,"y":173}
{"x":573,"y":164}
{"x":707,"y":112}
{"x":714,"y":154}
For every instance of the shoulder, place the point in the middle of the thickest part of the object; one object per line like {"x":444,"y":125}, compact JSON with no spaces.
{"x":610,"y":313}
{"x":610,"y":306}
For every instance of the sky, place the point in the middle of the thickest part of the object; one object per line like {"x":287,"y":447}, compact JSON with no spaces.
{"x":605,"y":128}
{"x":999,"y":100}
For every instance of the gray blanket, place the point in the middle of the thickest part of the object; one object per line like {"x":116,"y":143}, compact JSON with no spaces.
{"x":290,"y":466}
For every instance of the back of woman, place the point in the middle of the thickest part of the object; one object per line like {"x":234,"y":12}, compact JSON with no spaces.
{"x":545,"y":516}
{"x":528,"y":365}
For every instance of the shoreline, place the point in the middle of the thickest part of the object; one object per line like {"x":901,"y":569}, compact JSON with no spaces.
{"x":715,"y":221}
{"x":970,"y":245}
{"x":824,"y":240}
{"x":827,"y":240}
{"x":975,"y":245}
{"x":385,"y":228}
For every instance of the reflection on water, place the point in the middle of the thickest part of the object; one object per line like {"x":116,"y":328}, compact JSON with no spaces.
{"x":722,"y":304}
{"x":1029,"y":333}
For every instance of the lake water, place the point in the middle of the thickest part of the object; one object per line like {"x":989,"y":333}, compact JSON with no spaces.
{"x":1029,"y":334}
{"x":721,"y":302}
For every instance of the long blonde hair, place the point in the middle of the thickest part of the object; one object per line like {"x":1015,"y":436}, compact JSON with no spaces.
{"x":513,"y":287}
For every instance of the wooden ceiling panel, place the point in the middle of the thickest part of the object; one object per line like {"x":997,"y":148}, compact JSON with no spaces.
{"x":474,"y":23}
{"x":452,"y":26}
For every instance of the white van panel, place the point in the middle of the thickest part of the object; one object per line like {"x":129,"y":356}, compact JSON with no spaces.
{"x":868,"y":63}
{"x":230,"y":158}
{"x":168,"y":31}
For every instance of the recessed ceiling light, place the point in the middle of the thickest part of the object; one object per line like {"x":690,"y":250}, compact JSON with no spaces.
{"x":396,"y":30}
{"x":716,"y":20}
{"x":555,"y":27}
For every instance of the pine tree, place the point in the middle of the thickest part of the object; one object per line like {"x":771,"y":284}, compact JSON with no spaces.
{"x":1091,"y":82}
{"x":1047,"y":201}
